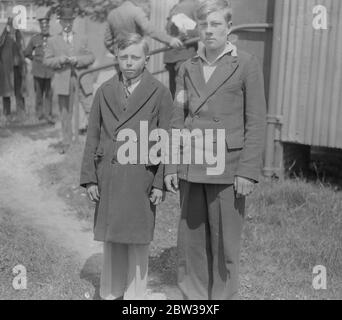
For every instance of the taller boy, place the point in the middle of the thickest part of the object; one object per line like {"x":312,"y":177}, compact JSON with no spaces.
{"x":220,"y":88}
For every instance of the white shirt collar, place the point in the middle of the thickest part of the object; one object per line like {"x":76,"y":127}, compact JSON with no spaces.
{"x":230,"y":48}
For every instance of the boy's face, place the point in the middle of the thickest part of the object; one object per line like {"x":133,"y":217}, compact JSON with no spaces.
{"x":132,"y":60}
{"x":214,"y":30}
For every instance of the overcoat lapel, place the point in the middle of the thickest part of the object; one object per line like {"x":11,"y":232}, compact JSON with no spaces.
{"x":138,"y":98}
{"x":224,"y":71}
{"x":112,"y":97}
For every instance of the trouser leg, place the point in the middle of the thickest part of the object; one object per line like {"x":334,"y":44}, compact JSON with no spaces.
{"x":46,"y":97}
{"x":39,"y":90}
{"x":114,"y":271}
{"x":6,"y":101}
{"x":171,"y":67}
{"x":19,"y":98}
{"x":137,"y":272}
{"x":86,"y":102}
{"x":66,"y":118}
{"x":226,"y":215}
{"x":209,"y":241}
{"x":194,"y":250}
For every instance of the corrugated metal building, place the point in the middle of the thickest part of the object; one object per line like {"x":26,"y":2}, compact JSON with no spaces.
{"x":306,"y":85}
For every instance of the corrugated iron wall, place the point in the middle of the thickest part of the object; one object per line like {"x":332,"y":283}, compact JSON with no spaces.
{"x":309,"y":85}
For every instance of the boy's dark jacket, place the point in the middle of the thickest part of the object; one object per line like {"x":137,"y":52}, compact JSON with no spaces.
{"x":233,"y":99}
{"x":124,"y":214}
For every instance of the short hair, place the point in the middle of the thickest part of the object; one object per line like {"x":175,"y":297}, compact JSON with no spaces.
{"x":124,"y":40}
{"x":207,"y":7}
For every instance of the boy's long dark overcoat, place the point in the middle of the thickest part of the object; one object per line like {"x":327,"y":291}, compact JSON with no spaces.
{"x":124,"y":213}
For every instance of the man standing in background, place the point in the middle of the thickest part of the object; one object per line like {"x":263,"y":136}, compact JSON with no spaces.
{"x":181,"y":24}
{"x":132,"y":17}
{"x":68,"y":54}
{"x":12,"y":70}
{"x":42,"y":74}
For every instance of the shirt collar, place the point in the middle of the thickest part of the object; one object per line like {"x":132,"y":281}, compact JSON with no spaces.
{"x":230,"y":48}
{"x":131,"y":82}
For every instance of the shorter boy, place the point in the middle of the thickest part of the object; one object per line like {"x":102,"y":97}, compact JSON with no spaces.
{"x":126,"y":194}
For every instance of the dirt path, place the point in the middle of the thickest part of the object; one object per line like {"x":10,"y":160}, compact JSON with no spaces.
{"x":21,"y":157}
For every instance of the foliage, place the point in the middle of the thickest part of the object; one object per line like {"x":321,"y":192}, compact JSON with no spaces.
{"x":95,"y":9}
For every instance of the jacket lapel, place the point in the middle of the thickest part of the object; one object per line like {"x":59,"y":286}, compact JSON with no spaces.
{"x":112,"y":95}
{"x":196,"y":77}
{"x":138,"y":98}
{"x":223,"y":72}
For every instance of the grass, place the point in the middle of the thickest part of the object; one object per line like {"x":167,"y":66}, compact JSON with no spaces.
{"x":52,"y":274}
{"x":290,"y":227}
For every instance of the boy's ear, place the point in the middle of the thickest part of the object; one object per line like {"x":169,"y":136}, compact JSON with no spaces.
{"x":147,"y":59}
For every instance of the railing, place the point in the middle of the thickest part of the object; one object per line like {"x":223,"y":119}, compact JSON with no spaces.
{"x":242,"y":27}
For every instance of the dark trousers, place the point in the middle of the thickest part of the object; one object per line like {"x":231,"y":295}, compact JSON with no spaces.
{"x":43,"y":90}
{"x":19,"y":98}
{"x":209,"y":241}
{"x":171,"y":68}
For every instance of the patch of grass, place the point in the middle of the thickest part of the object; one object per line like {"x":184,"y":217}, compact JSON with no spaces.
{"x":52,"y":273}
{"x":292,"y":227}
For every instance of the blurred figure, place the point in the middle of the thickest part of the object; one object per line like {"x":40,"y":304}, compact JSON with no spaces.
{"x":133,"y":17}
{"x":68,"y":54}
{"x":12,"y":70}
{"x":42,"y":74}
{"x":181,"y":24}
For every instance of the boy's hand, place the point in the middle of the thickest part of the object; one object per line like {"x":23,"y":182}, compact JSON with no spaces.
{"x":157,"y":196}
{"x":243,"y":186}
{"x":93,"y":192}
{"x":171,"y":183}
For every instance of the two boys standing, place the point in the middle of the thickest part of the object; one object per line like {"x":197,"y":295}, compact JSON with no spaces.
{"x":220,"y":88}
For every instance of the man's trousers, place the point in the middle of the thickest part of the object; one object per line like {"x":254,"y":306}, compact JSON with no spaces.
{"x":66,"y":107}
{"x":209,"y":241}
{"x":43,"y":90}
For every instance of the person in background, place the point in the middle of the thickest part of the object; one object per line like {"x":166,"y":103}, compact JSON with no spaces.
{"x":222,"y":88}
{"x":68,"y":54}
{"x":12,"y":70}
{"x":42,"y":74}
{"x":132,"y":17}
{"x":126,"y":194}
{"x":181,"y":23}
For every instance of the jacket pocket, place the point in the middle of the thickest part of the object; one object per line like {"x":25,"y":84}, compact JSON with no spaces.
{"x":235,"y":140}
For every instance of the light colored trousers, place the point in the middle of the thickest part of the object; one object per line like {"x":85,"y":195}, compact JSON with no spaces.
{"x":124,"y":272}
{"x":66,"y":109}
